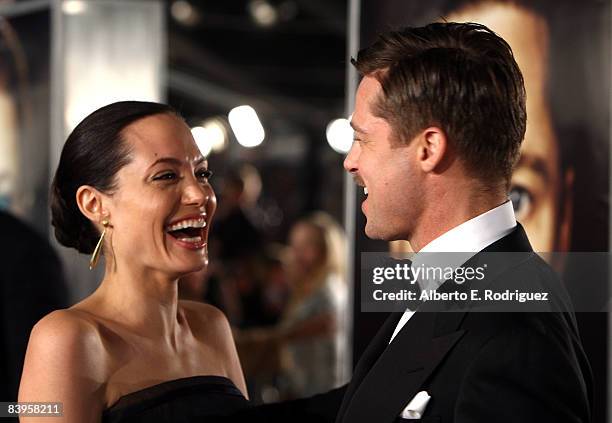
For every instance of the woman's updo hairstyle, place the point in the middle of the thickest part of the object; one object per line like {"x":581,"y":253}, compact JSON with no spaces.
{"x":92,"y":155}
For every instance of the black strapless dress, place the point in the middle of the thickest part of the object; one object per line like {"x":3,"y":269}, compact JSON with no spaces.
{"x":178,"y":401}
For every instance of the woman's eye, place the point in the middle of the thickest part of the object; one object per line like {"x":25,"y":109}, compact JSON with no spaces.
{"x":168,"y":176}
{"x":204,"y":174}
{"x":521,"y":201}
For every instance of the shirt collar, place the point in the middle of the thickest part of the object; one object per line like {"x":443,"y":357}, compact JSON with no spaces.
{"x":477,"y":233}
{"x":464,"y":241}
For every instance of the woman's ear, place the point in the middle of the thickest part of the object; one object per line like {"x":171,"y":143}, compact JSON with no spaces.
{"x":91,"y":203}
{"x":432,"y":148}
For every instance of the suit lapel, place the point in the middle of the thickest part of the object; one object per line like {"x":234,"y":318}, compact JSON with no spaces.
{"x":402,"y":368}
{"x":369,"y":357}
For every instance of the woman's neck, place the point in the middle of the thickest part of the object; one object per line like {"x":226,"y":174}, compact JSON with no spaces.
{"x":144,"y":301}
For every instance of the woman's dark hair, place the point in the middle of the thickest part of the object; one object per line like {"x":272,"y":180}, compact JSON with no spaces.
{"x":92,"y":155}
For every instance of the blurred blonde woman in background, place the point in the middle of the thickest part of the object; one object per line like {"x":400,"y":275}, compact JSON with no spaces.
{"x":313,"y":322}
{"x":303,"y":353}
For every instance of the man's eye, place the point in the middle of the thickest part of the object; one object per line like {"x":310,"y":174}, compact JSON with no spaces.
{"x":204,"y":174}
{"x":521,"y":201}
{"x":167,"y":176}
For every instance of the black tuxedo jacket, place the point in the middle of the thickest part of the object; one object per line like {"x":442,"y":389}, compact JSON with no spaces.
{"x":476,"y":366}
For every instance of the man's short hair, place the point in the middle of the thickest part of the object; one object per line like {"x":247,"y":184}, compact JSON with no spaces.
{"x":460,"y":77}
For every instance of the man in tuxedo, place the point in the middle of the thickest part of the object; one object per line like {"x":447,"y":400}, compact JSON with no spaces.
{"x":439,"y":119}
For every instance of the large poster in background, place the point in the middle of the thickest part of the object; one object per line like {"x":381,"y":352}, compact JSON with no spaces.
{"x":24,"y":115}
{"x":560,"y":187}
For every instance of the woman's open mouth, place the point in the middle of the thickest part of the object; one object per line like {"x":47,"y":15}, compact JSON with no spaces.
{"x":188,"y":232}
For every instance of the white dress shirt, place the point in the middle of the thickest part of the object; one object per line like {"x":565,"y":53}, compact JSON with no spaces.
{"x":469,"y":237}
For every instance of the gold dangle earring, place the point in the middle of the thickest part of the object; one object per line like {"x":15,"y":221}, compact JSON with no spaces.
{"x":93,"y":261}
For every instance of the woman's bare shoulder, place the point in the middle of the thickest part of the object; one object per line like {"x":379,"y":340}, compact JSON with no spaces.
{"x":64,"y":362}
{"x":70,"y":334}
{"x":64,"y":325}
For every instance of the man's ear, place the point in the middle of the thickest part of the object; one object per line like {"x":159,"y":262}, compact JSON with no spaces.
{"x":91,"y":203}
{"x":432,"y":147}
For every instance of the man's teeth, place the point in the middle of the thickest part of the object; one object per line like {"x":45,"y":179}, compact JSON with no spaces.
{"x":365,"y":190}
{"x":190,"y":223}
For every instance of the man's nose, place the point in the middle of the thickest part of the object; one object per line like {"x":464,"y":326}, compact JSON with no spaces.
{"x":350,"y":161}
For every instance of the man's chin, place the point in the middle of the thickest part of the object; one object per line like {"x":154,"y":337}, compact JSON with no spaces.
{"x":378,"y":233}
{"x":375,"y":233}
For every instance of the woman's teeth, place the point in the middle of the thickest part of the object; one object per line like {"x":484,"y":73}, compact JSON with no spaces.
{"x":365,"y":190}
{"x":190,"y":231}
{"x":191,"y":223}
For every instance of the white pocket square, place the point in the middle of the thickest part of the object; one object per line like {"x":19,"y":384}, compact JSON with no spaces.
{"x":416,"y":407}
